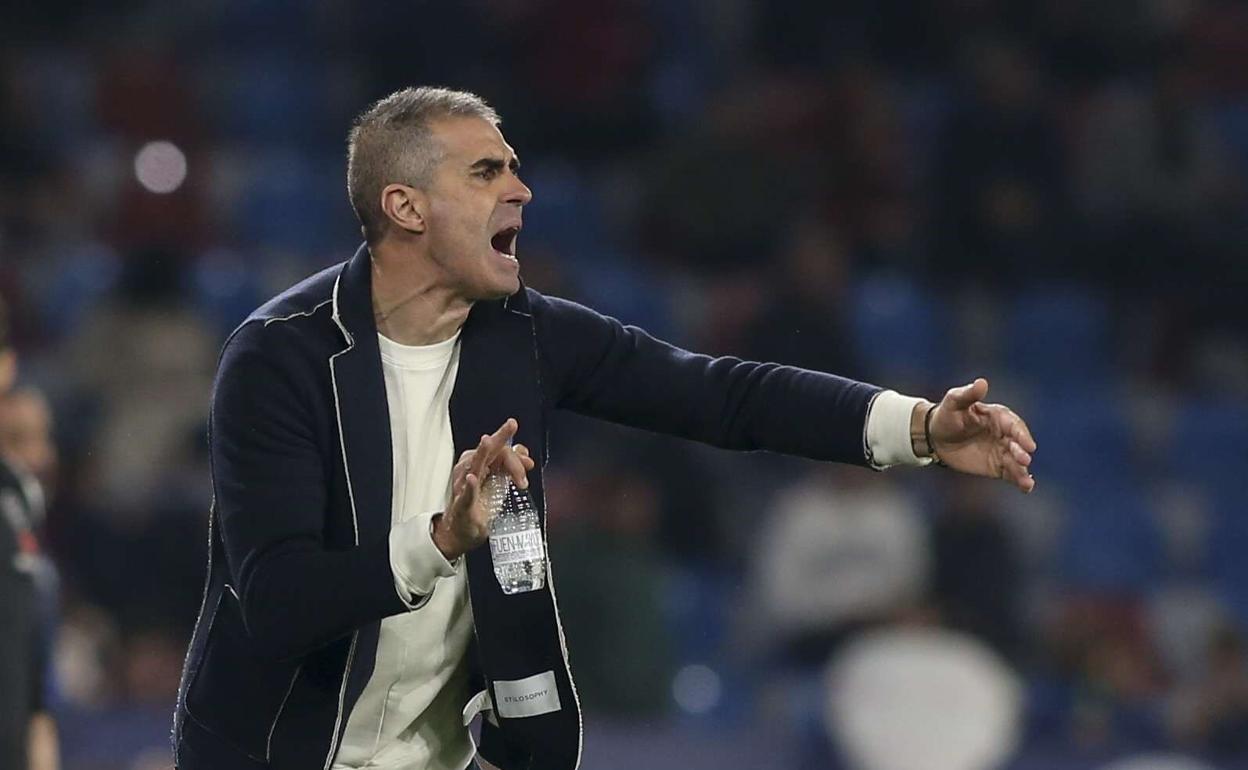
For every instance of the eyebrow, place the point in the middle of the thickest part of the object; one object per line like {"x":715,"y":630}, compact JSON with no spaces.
{"x":496,"y":164}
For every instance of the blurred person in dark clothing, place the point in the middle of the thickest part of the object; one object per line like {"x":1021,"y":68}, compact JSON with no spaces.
{"x":802,"y":323}
{"x":351,"y":618}
{"x":27,"y":581}
{"x":977,"y":575}
{"x":145,"y":358}
{"x":613,"y":590}
{"x":26,"y":433}
{"x":1161,"y":183}
{"x":1213,"y":712}
{"x":1000,"y":185}
{"x":1103,"y":661}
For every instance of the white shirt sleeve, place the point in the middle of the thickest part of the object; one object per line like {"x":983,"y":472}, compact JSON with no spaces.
{"x":415,"y":561}
{"x":887,"y":432}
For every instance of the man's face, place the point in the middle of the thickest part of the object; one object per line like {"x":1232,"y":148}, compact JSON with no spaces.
{"x":475,"y":202}
{"x":26,"y":433}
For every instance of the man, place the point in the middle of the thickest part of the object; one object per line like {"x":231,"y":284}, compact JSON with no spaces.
{"x":351,"y":618}
{"x":28,"y":736}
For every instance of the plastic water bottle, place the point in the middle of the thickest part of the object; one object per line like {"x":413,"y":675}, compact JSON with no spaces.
{"x":516,"y":545}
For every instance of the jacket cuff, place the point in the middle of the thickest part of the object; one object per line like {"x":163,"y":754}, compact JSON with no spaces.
{"x":887,"y":431}
{"x":415,"y":561}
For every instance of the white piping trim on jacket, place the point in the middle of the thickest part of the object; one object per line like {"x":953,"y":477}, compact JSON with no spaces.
{"x":342,"y":698}
{"x":567,"y":664}
{"x":268,"y":745}
{"x":550,"y":572}
{"x":300,"y":314}
{"x":346,"y":469}
{"x":184,"y":687}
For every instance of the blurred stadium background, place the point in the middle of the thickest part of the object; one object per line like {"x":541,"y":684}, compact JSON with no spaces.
{"x":1051,"y":193}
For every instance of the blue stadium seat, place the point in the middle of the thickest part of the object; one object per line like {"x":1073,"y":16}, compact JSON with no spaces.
{"x":1058,"y":337}
{"x":900,"y":330}
{"x":265,"y":100}
{"x":225,"y":288}
{"x":697,"y":608}
{"x":294,"y":204}
{"x":1228,"y":553}
{"x":1208,"y":444}
{"x":81,"y":280}
{"x":566,"y":214}
{"x":1083,"y":436}
{"x":1110,"y":543}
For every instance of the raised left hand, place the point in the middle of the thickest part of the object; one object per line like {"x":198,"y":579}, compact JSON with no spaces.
{"x":982,"y":439}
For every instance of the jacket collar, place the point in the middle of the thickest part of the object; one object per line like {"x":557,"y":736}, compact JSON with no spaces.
{"x":353,"y":296}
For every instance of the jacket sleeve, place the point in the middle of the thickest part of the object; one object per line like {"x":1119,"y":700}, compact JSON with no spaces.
{"x":596,"y":366}
{"x":270,"y":484}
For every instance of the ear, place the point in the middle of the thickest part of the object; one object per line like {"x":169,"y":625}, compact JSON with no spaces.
{"x":406,"y":207}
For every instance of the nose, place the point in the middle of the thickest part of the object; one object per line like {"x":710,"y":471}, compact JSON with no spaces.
{"x":518,"y":193}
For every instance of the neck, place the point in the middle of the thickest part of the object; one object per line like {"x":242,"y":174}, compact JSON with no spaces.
{"x":410,"y":305}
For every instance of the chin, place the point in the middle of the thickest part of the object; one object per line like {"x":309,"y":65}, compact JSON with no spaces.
{"x":513,"y":286}
{"x":499,"y":289}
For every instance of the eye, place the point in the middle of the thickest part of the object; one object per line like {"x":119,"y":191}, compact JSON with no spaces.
{"x":488,"y":174}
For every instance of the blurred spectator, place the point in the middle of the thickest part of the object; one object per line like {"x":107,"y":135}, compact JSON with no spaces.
{"x":1212,"y":713}
{"x":1157,"y":180}
{"x":26,"y":434}
{"x":719,"y":195}
{"x":836,"y":554}
{"x":146,"y":359}
{"x":1103,"y":656}
{"x":27,"y":587}
{"x":1000,"y":181}
{"x":976,"y":572}
{"x":611,"y":590}
{"x":923,"y":697}
{"x":25,"y":163}
{"x":802,"y":320}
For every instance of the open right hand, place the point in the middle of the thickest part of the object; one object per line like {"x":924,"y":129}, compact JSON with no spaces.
{"x":465,"y":524}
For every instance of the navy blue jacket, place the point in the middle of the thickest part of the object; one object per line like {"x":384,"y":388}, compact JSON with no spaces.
{"x":299,"y":572}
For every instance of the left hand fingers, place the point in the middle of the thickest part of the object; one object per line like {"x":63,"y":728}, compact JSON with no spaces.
{"x":513,"y":464}
{"x":1015,"y":471}
{"x":522,"y":452}
{"x":1007,"y":424}
{"x":1018,"y":454}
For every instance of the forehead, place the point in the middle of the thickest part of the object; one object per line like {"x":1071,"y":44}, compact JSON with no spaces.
{"x":470,"y":139}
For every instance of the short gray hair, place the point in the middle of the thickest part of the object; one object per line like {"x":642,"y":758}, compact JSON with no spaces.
{"x":392,"y":141}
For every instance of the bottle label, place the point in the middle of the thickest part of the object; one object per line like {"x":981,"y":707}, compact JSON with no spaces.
{"x":513,"y":547}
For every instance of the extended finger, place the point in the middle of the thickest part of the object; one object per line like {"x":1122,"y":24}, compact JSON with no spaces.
{"x":963,"y":397}
{"x":487,"y":447}
{"x":493,"y":443}
{"x":506,"y":432}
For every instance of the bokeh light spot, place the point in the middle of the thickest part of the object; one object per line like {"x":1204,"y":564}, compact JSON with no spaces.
{"x":160,"y":167}
{"x":697,"y":689}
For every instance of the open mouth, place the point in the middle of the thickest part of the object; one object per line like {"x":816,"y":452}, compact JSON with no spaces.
{"x":504,"y":241}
